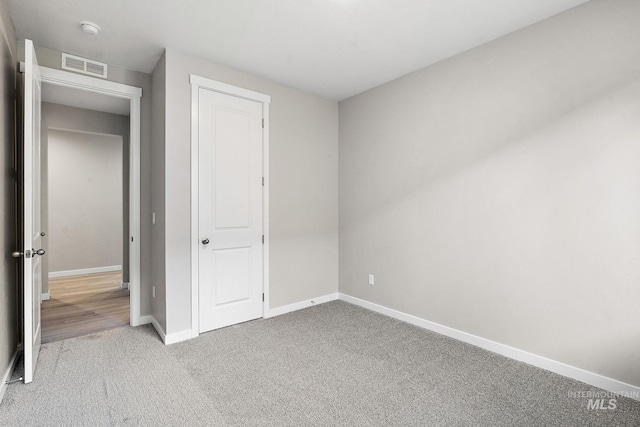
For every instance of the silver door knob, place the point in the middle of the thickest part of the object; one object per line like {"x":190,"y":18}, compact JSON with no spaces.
{"x":38,"y":252}
{"x":205,"y":241}
{"x":17,"y":254}
{"x":43,"y":234}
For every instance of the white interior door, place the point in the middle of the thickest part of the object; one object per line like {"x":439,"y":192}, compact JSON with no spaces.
{"x":32,"y":251}
{"x":230,"y":210}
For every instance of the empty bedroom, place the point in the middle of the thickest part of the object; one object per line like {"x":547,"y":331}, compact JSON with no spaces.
{"x":330,"y":212}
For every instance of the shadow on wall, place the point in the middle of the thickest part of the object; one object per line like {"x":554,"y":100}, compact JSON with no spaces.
{"x":530,"y":239}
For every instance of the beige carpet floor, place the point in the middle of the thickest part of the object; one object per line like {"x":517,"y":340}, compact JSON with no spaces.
{"x":330,"y":365}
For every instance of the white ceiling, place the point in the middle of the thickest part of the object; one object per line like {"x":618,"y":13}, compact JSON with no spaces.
{"x":84,"y":99}
{"x":334,"y":48}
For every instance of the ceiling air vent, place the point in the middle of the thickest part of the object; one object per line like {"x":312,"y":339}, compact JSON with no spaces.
{"x":84,"y":66}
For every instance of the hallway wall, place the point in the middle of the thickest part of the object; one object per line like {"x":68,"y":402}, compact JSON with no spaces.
{"x":85,"y":201}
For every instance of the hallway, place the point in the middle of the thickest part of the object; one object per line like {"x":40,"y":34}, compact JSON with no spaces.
{"x":82,"y":305}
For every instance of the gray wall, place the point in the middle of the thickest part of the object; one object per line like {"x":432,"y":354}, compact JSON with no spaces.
{"x":65,"y":117}
{"x":158,"y":304}
{"x":303,"y":188}
{"x":51,"y":58}
{"x":497,"y":192}
{"x":85,"y":201}
{"x":9,"y":335}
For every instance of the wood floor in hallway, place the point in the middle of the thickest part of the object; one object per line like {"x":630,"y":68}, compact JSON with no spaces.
{"x":82,"y":305}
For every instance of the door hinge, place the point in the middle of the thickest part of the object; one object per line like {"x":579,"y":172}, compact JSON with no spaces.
{"x":263,"y":296}
{"x":263,"y":181}
{"x":263,"y":239}
{"x":262,"y":123}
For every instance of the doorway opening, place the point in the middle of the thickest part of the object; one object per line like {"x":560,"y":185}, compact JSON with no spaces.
{"x":29,"y":219}
{"x":90,"y":140}
{"x":85,"y":215}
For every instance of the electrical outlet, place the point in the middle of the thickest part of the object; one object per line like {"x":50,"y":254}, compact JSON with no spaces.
{"x":153,"y":291}
{"x":371,"y":281}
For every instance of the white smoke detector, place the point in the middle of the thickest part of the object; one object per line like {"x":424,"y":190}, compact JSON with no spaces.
{"x":90,"y":28}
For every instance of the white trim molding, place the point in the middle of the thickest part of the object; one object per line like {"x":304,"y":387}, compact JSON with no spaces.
{"x":265,"y":210}
{"x":228,"y":89}
{"x":7,"y":374}
{"x":177,"y":337}
{"x":591,"y":378}
{"x":77,"y":81}
{"x":167,"y":339}
{"x":195,"y":192}
{"x":81,"y":271}
{"x":278,"y":311}
{"x":156,"y":326}
{"x":198,"y":82}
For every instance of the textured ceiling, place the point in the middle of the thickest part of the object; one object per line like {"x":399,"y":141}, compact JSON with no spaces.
{"x":334,"y":48}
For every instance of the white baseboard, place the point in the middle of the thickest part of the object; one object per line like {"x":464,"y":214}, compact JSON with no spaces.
{"x":178,"y":337}
{"x":124,"y":285}
{"x":166,"y":338}
{"x":156,"y":326}
{"x":300,"y":305}
{"x":109,"y":268}
{"x":7,"y":374}
{"x":591,"y":378}
{"x":46,"y":296}
{"x":188,"y":334}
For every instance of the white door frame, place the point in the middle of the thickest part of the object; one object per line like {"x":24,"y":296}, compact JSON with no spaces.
{"x":198,"y":82}
{"x":133,"y":94}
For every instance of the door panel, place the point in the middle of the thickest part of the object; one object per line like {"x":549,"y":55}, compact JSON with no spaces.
{"x":32,"y":279}
{"x":233,"y":282}
{"x":230,"y":210}
{"x":232,"y":193}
